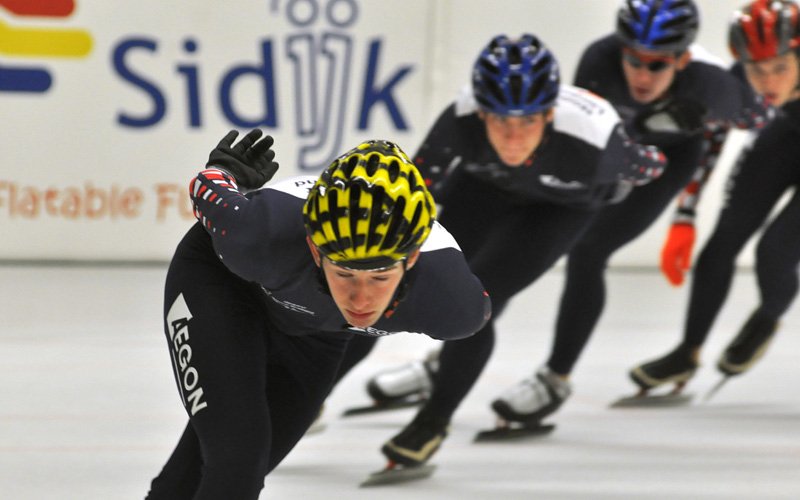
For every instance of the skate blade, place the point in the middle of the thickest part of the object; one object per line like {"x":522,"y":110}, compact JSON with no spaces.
{"x":716,"y":388}
{"x":510,"y":433}
{"x":396,"y":474}
{"x":382,"y":407}
{"x":653,"y":401}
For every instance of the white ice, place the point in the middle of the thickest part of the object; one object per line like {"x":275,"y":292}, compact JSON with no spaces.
{"x":89,"y":409}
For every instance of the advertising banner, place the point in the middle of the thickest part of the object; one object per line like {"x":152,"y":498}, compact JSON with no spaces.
{"x":109,"y":108}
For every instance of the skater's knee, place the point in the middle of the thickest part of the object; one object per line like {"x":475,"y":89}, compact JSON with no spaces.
{"x":587,"y":259}
{"x":239,"y":479}
{"x":770,"y":257}
{"x":245,"y":457}
{"x":243,"y":472}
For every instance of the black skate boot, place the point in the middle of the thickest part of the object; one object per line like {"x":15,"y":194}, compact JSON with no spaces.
{"x":676,"y":367}
{"x":418,"y":441}
{"x":748,"y":346}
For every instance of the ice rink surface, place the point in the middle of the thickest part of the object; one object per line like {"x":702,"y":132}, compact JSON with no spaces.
{"x":89,"y":409}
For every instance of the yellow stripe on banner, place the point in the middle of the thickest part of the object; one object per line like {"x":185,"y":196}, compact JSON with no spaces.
{"x":44,"y":43}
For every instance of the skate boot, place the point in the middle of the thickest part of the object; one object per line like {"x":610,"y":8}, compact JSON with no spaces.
{"x":748,"y":346}
{"x":412,"y":379}
{"x":418,"y":441}
{"x":534,"y":398}
{"x":677,"y":367}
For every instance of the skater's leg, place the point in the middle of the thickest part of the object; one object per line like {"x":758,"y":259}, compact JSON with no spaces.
{"x":217,"y":344}
{"x":509,"y":260}
{"x":777,"y":258}
{"x":460,"y":364}
{"x":751,"y":195}
{"x":583,"y":298}
{"x":300,"y":374}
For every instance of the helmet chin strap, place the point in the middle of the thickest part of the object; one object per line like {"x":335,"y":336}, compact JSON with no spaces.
{"x":400,"y":292}
{"x":322,"y":283}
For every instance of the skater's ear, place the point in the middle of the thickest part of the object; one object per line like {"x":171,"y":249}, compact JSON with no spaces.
{"x":314,"y":251}
{"x":412,"y":259}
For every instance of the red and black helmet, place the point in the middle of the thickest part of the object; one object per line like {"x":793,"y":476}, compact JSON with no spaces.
{"x":764,"y":29}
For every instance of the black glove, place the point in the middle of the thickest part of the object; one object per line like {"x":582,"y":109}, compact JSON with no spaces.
{"x":672,"y":116}
{"x":250,"y":163}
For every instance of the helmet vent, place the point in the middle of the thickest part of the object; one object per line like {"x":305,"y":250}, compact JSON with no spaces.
{"x":394,"y":171}
{"x":337,"y":241}
{"x":496,"y":91}
{"x":761,"y":35}
{"x":356,"y":214}
{"x":515,"y":86}
{"x":536,"y":88}
{"x":350,"y":166}
{"x":489,"y":67}
{"x":373,"y":162}
{"x":514,"y":55}
{"x":676,"y":22}
{"x":397,"y":225}
{"x":410,"y":235}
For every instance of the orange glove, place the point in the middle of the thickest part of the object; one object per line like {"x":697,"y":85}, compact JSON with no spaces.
{"x":676,"y":255}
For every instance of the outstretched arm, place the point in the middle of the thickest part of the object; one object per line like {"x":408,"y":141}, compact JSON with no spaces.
{"x":676,"y":254}
{"x":233,"y":221}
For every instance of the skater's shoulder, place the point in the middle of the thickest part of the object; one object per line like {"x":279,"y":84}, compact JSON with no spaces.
{"x":585,"y":115}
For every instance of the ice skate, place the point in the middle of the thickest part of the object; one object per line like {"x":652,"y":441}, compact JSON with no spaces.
{"x":403,"y":387}
{"x":748,"y":346}
{"x":522,"y":408}
{"x":409,"y":451}
{"x":677,"y":367}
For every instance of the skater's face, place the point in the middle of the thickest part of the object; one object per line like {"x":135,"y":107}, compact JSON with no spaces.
{"x":362,"y":296}
{"x":776,"y":79}
{"x":649,"y":74}
{"x":515,"y":138}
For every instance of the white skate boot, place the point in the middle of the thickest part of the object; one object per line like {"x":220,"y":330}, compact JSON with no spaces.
{"x":402,"y":387}
{"x":522,"y":407}
{"x":412,"y":379}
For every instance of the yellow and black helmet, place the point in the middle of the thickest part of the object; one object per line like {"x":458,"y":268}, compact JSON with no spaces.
{"x":370,"y":208}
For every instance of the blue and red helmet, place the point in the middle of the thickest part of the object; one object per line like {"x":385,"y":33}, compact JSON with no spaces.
{"x":515,"y":77}
{"x":658,"y":25}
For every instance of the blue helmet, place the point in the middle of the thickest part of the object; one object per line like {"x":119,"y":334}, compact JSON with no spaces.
{"x":515,"y":77}
{"x":658,"y":25}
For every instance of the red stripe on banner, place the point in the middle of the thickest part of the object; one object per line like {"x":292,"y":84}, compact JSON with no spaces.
{"x":56,"y":8}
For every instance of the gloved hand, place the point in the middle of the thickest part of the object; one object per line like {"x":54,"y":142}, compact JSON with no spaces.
{"x":250,"y":163}
{"x":672,"y":115}
{"x":676,"y":255}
